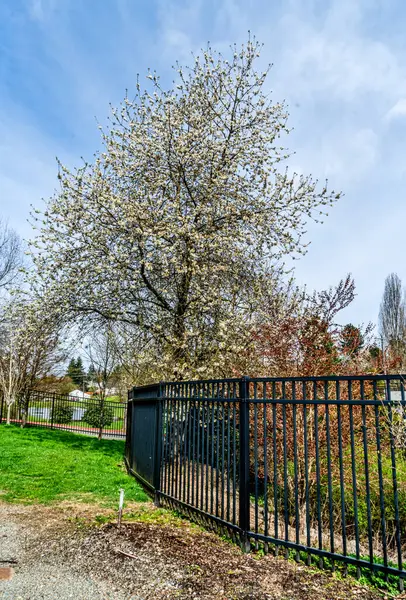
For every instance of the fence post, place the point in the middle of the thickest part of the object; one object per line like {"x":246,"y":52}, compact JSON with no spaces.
{"x":128,"y":423}
{"x":52,"y":410}
{"x":244,"y":492}
{"x":1,"y":408}
{"x":158,"y":444}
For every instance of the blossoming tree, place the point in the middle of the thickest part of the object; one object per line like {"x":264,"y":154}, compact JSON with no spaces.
{"x":30,"y":346}
{"x":187,"y":204}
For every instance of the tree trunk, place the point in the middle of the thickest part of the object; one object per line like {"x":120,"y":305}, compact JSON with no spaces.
{"x":24,"y":413}
{"x":180,"y":351}
{"x":9,"y":405}
{"x":100,"y":434}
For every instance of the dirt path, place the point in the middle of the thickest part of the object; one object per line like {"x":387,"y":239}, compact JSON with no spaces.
{"x":61,"y":555}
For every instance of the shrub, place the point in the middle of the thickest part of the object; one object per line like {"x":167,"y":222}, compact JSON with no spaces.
{"x":98,"y":416}
{"x":62,"y":414}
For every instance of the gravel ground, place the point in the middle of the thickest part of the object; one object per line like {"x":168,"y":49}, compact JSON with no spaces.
{"x":40,"y":575}
{"x":62,"y":555}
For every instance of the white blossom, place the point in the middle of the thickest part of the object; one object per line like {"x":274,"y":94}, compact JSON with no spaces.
{"x":185,"y":207}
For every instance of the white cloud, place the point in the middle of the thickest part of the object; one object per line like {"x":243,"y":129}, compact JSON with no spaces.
{"x":177,"y":38}
{"x":39,"y":10}
{"x":332,"y":57}
{"x":398,"y":110}
{"x":342,"y":69}
{"x":28,"y":169}
{"x":36,"y":9}
{"x":351,"y":154}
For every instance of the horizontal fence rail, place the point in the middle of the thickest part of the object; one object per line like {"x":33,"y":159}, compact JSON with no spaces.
{"x":90,"y":416}
{"x":313,"y":466}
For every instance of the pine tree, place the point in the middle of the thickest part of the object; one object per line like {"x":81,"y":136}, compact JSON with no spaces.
{"x":75,"y":371}
{"x":91,"y":374}
{"x":351,"y":340}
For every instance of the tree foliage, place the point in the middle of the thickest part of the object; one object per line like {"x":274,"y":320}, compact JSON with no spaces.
{"x":351,"y":340}
{"x":52,"y":383}
{"x":10,"y":256}
{"x":392,"y":315}
{"x":62,"y":414}
{"x":30,"y":338}
{"x":99,"y":416}
{"x":76,"y":371}
{"x":176,"y":222}
{"x":103,"y":353}
{"x":296,"y":334}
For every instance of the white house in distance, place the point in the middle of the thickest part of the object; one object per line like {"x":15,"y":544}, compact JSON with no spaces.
{"x":79,"y":395}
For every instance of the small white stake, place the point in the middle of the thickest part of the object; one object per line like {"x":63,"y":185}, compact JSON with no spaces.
{"x":120,"y":507}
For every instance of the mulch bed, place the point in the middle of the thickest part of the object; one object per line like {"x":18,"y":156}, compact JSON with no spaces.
{"x":179,"y":561}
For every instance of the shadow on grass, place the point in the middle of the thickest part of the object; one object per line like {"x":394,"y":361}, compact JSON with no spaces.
{"x":66,"y":438}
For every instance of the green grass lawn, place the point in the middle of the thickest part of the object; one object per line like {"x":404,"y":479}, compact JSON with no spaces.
{"x":39,"y":465}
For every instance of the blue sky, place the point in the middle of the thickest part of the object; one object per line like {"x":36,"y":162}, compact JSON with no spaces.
{"x":340,"y":65}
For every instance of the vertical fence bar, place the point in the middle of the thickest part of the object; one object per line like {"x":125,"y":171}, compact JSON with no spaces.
{"x":171,"y":441}
{"x":285,"y":475}
{"x":256,"y":474}
{"x":306,"y":468}
{"x":234,"y":458}
{"x":395,"y":487}
{"x":162,"y":481}
{"x":340,"y":459}
{"x":198,"y":447}
{"x":318,"y":482}
{"x":329,"y":469}
{"x":212,"y":456}
{"x":222,"y":453}
{"x":203,"y":446}
{"x":128,"y":437}
{"x":265,"y":425}
{"x":217,"y":448}
{"x":175,"y":404}
{"x":158,"y":444}
{"x":354,"y":477}
{"x":244,"y":492}
{"x":275,"y":470}
{"x":181,"y":444}
{"x":177,"y":439}
{"x":295,"y":467}
{"x":366,"y":465}
{"x":380,"y":476}
{"x":208,"y":462}
{"x":166,"y":441}
{"x":185,"y":433}
{"x":228,"y":452}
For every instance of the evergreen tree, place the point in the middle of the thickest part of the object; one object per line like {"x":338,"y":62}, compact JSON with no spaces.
{"x":351,"y":340}
{"x":75,"y":371}
{"x":91,"y":373}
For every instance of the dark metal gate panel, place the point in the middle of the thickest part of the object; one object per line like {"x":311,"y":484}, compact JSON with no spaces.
{"x":314,"y":465}
{"x":142,"y":453}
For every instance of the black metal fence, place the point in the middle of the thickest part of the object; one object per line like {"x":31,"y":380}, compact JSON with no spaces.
{"x":314,"y":466}
{"x":85,"y":415}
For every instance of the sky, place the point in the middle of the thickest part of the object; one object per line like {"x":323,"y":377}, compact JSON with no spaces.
{"x":340,"y":65}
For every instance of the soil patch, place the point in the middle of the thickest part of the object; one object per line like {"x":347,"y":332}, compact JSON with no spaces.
{"x":62,"y":549}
